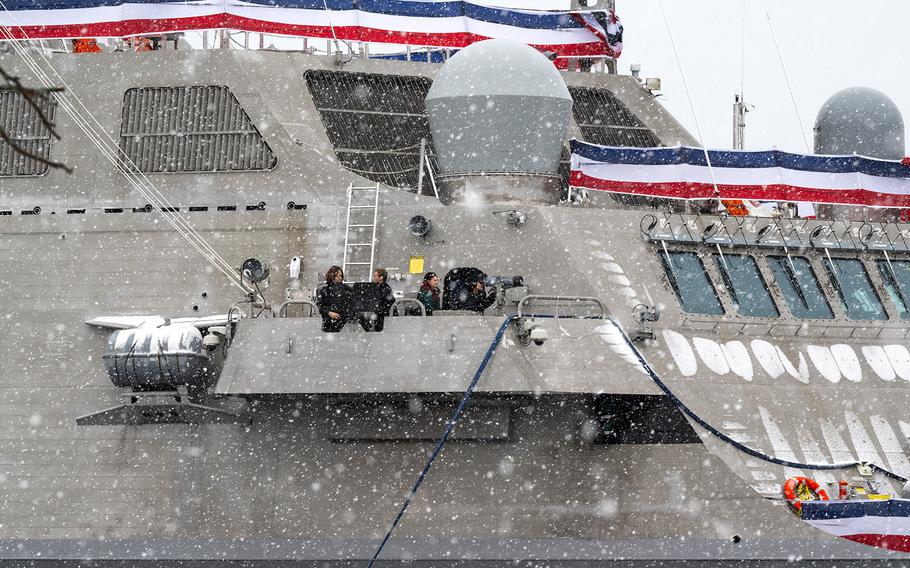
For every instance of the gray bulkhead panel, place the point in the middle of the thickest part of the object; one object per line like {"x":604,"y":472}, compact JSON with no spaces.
{"x":283,"y":479}
{"x":272,"y":90}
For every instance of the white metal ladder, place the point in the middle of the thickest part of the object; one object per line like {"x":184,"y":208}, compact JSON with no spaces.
{"x":360,"y":233}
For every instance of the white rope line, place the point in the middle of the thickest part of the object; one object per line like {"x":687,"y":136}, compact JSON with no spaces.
{"x":742,"y":55}
{"x":780,"y":57}
{"x":89,"y":131}
{"x":143,"y":185}
{"x":701,"y":139}
{"x":133,"y":173}
{"x":66,"y":105}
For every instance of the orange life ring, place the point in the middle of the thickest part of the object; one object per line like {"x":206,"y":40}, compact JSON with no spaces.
{"x":802,"y":488}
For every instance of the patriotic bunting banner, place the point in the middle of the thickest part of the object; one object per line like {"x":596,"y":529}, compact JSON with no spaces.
{"x":682,"y":173}
{"x":885,"y":524}
{"x":437,"y":23}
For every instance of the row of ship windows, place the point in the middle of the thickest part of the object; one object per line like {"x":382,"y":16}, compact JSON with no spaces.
{"x":795,"y":278}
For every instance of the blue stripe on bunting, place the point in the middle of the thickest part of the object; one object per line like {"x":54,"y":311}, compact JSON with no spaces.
{"x":830,"y":510}
{"x":531,"y":20}
{"x":729,"y":159}
{"x":412,"y":8}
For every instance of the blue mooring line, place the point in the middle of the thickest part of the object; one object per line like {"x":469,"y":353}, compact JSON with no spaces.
{"x":445,"y":436}
{"x":654,"y":377}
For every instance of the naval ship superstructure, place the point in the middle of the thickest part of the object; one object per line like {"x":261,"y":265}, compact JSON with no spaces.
{"x":276,"y":441}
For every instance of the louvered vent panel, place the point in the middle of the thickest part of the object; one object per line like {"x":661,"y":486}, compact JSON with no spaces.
{"x":22,"y":123}
{"x":190,"y":129}
{"x":375,"y":122}
{"x":604,"y":119}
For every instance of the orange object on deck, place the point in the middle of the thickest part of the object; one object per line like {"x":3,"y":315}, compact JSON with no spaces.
{"x":736,"y":207}
{"x":797,"y":489}
{"x":141,"y":43}
{"x":86,"y":45}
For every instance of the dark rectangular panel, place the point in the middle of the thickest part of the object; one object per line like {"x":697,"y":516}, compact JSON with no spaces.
{"x":640,"y":419}
{"x":365,"y":421}
{"x":375,"y":123}
{"x":190,"y":129}
{"x":605,"y":120}
{"x":22,"y":123}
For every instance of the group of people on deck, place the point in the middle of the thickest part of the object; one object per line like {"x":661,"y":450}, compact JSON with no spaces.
{"x":469,"y":294}
{"x":370,"y":302}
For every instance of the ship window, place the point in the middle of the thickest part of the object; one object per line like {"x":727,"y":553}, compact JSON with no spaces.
{"x":800,"y":288}
{"x":375,"y":123}
{"x":691,"y":283}
{"x":746,"y":286}
{"x":896,"y":275}
{"x":190,"y":129}
{"x":851,"y":281}
{"x":22,"y":123}
{"x":604,"y":119}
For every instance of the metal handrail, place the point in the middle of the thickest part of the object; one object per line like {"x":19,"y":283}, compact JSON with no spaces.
{"x":399,"y":301}
{"x":567,"y":299}
{"x":283,"y":309}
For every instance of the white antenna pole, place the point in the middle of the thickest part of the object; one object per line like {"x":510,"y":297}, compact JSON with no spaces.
{"x":739,"y":122}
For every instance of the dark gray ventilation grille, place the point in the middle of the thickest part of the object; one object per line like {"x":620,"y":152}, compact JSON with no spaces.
{"x":23,"y":124}
{"x":190,"y":129}
{"x":375,"y":122}
{"x":604,"y":119}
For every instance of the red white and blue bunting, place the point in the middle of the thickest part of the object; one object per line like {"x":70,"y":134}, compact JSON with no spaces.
{"x":437,"y":23}
{"x":885,"y":524}
{"x":682,"y":173}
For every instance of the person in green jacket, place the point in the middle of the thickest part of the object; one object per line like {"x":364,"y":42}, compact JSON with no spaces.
{"x":429,"y":293}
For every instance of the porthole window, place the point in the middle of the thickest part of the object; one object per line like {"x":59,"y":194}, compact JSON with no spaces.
{"x":799,"y":286}
{"x":854,"y":289}
{"x":746,"y":286}
{"x":896,"y":276}
{"x":691,"y":284}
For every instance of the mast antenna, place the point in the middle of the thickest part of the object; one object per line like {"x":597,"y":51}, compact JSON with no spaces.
{"x":740,"y":108}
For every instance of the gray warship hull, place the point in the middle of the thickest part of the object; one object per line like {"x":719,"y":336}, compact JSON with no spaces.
{"x":568,"y":455}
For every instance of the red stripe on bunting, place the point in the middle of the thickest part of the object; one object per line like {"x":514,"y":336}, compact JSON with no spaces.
{"x":124,"y":28}
{"x":777,"y":192}
{"x":120,"y":28}
{"x":898,"y":542}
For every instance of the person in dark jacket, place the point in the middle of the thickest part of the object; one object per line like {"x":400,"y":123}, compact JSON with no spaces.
{"x":471,"y":295}
{"x":376,"y":301}
{"x":334,"y":300}
{"x":429,"y":293}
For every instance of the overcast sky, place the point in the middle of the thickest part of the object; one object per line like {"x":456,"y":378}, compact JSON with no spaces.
{"x":826,"y":46}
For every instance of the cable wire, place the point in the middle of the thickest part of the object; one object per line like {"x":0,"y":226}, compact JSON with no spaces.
{"x":127,"y":168}
{"x":445,"y":436}
{"x":780,"y":57}
{"x":727,"y":439}
{"x":682,"y":73}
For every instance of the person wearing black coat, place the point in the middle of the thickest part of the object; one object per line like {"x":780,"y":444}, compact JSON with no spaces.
{"x":471,"y":295}
{"x":334,"y":300}
{"x":376,"y":302}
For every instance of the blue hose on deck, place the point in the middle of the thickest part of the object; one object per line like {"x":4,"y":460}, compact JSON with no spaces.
{"x":724,"y":437}
{"x":445,"y":436}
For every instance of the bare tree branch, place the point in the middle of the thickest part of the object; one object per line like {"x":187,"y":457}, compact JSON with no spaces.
{"x":40,"y":159}
{"x":30,"y":96}
{"x":34,"y":98}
